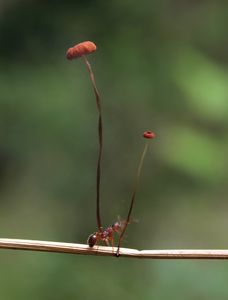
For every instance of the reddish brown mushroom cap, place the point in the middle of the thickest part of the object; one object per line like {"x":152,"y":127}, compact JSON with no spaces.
{"x":81,"y":49}
{"x":149,"y":135}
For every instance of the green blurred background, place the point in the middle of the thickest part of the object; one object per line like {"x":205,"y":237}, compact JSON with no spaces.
{"x":160,"y":65}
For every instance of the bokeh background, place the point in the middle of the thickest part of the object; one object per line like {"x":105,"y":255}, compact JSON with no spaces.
{"x":160,"y":65}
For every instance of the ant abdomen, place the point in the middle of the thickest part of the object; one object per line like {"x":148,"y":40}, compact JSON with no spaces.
{"x":92,"y":240}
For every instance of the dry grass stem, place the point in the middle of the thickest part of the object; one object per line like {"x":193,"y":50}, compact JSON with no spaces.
{"x":46,"y":246}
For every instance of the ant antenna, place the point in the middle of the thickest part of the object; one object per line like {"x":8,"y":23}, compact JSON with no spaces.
{"x":148,"y":135}
{"x":80,"y":50}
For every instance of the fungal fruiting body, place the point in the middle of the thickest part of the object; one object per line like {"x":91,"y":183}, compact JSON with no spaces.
{"x":147,"y":135}
{"x":81,"y":49}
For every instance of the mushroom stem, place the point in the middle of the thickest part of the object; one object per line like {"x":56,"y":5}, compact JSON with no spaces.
{"x":100,"y":138}
{"x":135,"y":188}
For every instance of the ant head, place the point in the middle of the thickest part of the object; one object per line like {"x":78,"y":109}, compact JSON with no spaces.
{"x":117,"y":226}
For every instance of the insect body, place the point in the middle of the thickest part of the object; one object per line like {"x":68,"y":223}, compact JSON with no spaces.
{"x":106,"y":235}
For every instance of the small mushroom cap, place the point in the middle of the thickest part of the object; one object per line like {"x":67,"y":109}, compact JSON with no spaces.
{"x":81,"y":49}
{"x":149,"y":134}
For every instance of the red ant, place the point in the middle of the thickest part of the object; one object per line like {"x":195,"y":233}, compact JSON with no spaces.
{"x":105,"y":235}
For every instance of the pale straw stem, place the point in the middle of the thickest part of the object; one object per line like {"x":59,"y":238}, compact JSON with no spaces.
{"x":67,"y":248}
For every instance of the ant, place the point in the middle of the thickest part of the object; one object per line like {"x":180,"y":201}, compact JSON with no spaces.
{"x":106,"y":235}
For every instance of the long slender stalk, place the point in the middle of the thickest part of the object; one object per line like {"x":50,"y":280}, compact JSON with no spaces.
{"x":135,"y":188}
{"x":57,"y":247}
{"x":100,"y":138}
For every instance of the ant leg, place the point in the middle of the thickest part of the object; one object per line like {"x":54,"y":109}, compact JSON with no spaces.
{"x":118,"y":248}
{"x":123,"y":225}
{"x":97,"y":247}
{"x":113,"y":244}
{"x":107,"y":242}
